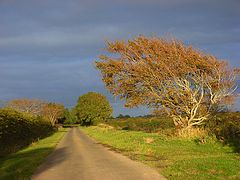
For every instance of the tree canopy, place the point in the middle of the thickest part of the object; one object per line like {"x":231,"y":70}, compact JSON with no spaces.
{"x":53,"y":111}
{"x":93,"y":108}
{"x":32,"y":106}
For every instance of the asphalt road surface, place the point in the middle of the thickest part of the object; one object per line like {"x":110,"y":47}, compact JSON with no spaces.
{"x":79,"y":157}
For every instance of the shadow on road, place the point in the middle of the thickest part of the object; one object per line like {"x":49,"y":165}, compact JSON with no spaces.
{"x":53,"y":159}
{"x":22,"y":165}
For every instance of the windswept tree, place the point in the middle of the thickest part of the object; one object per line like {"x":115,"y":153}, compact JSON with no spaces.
{"x":168,"y":75}
{"x":92,"y":108}
{"x":32,"y":106}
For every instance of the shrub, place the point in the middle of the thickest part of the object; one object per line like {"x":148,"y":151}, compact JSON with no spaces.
{"x":19,"y":129}
{"x":93,"y":108}
{"x":68,"y":117}
{"x":226,"y":127}
{"x":193,"y":133}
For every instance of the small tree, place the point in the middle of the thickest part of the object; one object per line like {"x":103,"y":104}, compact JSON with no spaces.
{"x":165,"y":74}
{"x":123,"y":116}
{"x":120,"y":116}
{"x":53,"y":111}
{"x":93,"y":108}
{"x":69,"y":117}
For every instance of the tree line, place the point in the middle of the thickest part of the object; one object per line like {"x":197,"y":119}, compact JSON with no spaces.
{"x":91,"y":108}
{"x":49,"y":110}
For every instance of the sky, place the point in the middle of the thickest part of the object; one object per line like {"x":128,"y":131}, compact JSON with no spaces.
{"x":48,"y":47}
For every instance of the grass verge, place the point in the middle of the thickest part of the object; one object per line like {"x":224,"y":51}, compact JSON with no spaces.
{"x":173,"y":157}
{"x":22,"y":164}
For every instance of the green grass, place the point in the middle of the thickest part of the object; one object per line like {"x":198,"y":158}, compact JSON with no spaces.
{"x":22,"y":164}
{"x":174,"y":158}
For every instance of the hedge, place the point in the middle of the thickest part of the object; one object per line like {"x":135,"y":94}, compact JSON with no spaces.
{"x":226,"y":127}
{"x":146,"y":124}
{"x":20,"y":129}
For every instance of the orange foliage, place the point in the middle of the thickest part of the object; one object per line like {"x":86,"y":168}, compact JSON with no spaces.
{"x":32,"y":106}
{"x":162,"y":73}
{"x":53,"y":111}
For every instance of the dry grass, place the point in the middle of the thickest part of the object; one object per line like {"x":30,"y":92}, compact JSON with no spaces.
{"x":148,"y":140}
{"x":192,"y":133}
{"x":102,"y":125}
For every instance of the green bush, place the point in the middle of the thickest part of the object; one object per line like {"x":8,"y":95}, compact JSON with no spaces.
{"x":20,"y":129}
{"x":92,"y":108}
{"x":67,"y":118}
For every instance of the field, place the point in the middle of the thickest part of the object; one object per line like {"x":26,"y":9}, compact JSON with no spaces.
{"x":22,"y":164}
{"x":173,"y":157}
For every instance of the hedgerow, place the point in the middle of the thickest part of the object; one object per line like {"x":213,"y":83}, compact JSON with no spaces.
{"x":146,"y":124}
{"x":19,"y":129}
{"x":226,"y":127}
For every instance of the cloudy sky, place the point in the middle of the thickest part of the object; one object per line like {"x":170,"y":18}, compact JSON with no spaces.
{"x":47,"y":47}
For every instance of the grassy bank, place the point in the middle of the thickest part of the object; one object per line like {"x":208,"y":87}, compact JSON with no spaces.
{"x":175,"y":158}
{"x":22,"y":164}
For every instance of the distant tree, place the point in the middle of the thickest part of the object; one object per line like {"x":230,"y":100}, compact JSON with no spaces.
{"x":32,"y":106}
{"x":93,"y":108}
{"x":120,"y":116}
{"x":69,"y":117}
{"x":53,"y":111}
{"x":64,"y":116}
{"x":148,"y":115}
{"x":123,"y":116}
{"x":75,"y":114}
{"x":165,"y":74}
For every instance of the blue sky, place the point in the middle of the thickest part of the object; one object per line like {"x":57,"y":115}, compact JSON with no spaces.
{"x":48,"y":48}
